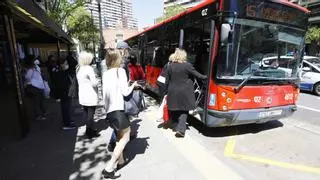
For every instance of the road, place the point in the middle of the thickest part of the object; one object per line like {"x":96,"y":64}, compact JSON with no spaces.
{"x":284,"y":149}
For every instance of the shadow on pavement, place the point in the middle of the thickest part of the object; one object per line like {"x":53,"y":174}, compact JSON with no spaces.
{"x":46,"y":152}
{"x":232,"y":130}
{"x":137,"y":145}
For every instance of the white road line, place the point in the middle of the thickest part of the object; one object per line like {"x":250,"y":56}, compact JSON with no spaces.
{"x":308,"y":108}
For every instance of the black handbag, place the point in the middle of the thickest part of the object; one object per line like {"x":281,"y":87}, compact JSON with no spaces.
{"x":133,"y":102}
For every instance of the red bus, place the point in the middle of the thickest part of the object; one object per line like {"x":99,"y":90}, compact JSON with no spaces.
{"x":228,"y":40}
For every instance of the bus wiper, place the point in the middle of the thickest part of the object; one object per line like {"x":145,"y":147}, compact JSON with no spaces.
{"x":244,"y":82}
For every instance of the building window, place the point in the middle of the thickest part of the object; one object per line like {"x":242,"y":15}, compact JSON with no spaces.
{"x":119,"y":37}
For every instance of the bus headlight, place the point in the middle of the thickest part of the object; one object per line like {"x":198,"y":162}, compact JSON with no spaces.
{"x":223,"y":94}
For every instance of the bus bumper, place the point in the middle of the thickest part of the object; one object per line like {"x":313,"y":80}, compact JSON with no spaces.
{"x":238,"y":117}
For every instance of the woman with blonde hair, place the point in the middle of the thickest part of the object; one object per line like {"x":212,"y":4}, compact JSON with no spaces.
{"x":181,"y":97}
{"x":88,"y":91}
{"x":115,"y":88}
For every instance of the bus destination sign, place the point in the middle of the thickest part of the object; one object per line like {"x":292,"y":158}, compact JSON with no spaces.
{"x":270,"y":13}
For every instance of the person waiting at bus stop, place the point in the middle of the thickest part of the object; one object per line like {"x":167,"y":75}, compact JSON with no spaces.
{"x":181,"y":98}
{"x":135,"y":70}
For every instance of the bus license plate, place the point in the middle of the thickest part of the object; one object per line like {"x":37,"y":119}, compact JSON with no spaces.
{"x":270,"y":113}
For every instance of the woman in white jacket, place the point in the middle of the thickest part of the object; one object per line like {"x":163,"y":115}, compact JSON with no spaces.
{"x":88,"y":91}
{"x":115,"y":88}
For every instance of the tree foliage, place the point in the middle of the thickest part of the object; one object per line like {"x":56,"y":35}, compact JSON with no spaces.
{"x":80,"y":26}
{"x":170,"y":12}
{"x":313,"y":34}
{"x":60,"y":10}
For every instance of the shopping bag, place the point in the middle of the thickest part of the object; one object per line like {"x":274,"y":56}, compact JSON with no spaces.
{"x":165,"y":111}
{"x":133,"y":103}
{"x":46,"y":90}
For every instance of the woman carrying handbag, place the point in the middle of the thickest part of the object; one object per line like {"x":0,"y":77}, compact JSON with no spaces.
{"x":115,"y":88}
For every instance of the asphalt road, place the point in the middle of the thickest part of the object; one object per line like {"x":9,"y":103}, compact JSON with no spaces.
{"x":284,"y":149}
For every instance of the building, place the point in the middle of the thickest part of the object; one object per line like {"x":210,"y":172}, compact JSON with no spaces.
{"x":113,"y":35}
{"x":185,"y":3}
{"x":113,"y":12}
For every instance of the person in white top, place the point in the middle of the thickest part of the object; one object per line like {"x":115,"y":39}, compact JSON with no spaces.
{"x":115,"y":88}
{"x":88,"y":91}
{"x":35,"y":87}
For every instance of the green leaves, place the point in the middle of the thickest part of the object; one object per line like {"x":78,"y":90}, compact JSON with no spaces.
{"x":313,"y":34}
{"x":170,"y":12}
{"x":81,"y":27}
{"x":59,"y":10}
{"x":77,"y":20}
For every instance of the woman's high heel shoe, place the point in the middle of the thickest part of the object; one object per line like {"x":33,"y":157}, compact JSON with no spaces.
{"x":110,"y":175}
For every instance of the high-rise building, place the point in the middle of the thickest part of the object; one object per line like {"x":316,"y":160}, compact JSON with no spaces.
{"x":185,"y":3}
{"x":114,"y":13}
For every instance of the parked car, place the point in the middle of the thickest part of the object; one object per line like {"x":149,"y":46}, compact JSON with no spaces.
{"x":310,"y":75}
{"x":309,"y":72}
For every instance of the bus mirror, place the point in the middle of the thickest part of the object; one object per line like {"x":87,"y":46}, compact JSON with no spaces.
{"x":225,"y":33}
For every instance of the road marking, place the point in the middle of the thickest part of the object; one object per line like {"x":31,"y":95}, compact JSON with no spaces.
{"x":208,"y":165}
{"x":308,"y":108}
{"x":229,"y":152}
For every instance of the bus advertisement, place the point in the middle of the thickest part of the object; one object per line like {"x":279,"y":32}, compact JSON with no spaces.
{"x":228,"y":40}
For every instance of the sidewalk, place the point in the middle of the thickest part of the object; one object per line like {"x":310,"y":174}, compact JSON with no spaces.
{"x":49,"y":153}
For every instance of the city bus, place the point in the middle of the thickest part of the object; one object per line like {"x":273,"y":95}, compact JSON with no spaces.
{"x":228,"y":40}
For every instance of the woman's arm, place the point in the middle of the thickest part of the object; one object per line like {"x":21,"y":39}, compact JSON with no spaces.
{"x":92,"y":77}
{"x":194,"y":72}
{"x":123,"y":81}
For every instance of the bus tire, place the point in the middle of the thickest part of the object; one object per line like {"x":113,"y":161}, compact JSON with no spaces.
{"x":316,"y":89}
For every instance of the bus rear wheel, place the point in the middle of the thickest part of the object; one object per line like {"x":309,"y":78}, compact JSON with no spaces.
{"x":316,"y":89}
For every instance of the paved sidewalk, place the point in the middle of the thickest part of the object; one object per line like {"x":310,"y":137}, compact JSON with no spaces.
{"x":151,"y":155}
{"x":48,"y":153}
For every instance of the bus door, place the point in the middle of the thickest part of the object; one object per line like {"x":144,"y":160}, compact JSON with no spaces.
{"x":197,"y":41}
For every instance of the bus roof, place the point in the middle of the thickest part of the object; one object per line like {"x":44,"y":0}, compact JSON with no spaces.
{"x":205,"y":3}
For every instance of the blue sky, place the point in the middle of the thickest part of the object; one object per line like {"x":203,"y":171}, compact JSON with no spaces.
{"x":146,"y":11}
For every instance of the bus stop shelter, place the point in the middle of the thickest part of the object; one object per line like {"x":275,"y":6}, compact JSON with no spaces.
{"x":24,"y":26}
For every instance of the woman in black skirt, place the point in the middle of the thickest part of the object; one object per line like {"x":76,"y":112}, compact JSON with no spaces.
{"x":115,"y":88}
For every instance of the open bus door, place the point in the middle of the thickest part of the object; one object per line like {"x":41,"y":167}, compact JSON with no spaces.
{"x":198,"y":42}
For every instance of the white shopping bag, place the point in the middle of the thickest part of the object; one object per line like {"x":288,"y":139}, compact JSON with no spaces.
{"x":160,"y":110}
{"x":46,"y":90}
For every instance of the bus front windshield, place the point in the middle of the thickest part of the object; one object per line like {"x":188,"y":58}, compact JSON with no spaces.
{"x":261,"y":50}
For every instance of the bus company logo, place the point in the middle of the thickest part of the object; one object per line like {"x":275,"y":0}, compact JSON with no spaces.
{"x":269,"y":100}
{"x":244,"y":100}
{"x":257,"y":99}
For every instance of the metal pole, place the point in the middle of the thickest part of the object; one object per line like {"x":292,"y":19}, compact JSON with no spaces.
{"x":94,"y":43}
{"x":101,"y":48}
{"x":100,"y":22}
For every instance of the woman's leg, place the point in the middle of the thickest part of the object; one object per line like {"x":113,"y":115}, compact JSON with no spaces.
{"x":182,"y":120}
{"x":90,"y":117}
{"x":124,"y":138}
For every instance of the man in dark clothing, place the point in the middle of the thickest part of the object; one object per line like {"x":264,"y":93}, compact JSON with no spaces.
{"x":64,"y":91}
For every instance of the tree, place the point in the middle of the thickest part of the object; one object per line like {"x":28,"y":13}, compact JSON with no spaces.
{"x":313,"y":34}
{"x":80,"y":26}
{"x":60,"y":10}
{"x":170,"y":12}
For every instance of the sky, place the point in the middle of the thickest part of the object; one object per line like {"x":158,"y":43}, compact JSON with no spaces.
{"x":146,"y":11}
